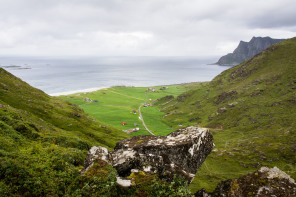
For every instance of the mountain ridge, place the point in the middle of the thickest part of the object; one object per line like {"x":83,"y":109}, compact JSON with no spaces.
{"x":247,"y":50}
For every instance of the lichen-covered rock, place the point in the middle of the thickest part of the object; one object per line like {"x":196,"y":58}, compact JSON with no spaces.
{"x":264,"y":182}
{"x":181,"y":152}
{"x":94,"y":153}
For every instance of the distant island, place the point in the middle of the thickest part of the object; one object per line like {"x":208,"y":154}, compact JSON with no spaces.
{"x":15,"y":67}
{"x":247,"y":50}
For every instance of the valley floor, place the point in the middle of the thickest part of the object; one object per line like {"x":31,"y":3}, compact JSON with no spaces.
{"x":118,"y":105}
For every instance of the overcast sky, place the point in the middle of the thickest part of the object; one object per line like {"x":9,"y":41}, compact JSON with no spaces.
{"x":139,"y":27}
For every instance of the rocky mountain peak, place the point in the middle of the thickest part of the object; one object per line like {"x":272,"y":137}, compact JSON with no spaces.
{"x":247,"y":50}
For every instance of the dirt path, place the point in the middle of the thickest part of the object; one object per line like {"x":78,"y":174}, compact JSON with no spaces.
{"x":141,"y":117}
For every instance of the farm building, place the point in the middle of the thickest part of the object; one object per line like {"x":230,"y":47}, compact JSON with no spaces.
{"x":131,"y":130}
{"x":87,"y":100}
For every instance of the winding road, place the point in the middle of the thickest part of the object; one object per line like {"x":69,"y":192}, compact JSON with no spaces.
{"x":141,"y":117}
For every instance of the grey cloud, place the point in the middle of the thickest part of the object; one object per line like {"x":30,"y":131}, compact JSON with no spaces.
{"x":276,"y":19}
{"x":133,"y":27}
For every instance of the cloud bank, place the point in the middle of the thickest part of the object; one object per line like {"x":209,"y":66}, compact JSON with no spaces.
{"x":139,"y":28}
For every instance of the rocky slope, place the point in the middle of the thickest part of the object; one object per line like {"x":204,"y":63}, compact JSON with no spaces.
{"x":247,"y":50}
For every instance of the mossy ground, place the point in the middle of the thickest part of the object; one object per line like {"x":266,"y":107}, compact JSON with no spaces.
{"x":100,"y":180}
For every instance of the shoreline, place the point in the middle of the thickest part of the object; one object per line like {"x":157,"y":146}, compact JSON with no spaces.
{"x":77,"y":91}
{"x":87,"y":90}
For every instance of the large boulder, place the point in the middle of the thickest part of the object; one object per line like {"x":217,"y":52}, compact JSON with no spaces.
{"x":262,"y":183}
{"x":180,"y":153}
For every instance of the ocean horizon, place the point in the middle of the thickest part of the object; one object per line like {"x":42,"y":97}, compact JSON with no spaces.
{"x":62,"y":76}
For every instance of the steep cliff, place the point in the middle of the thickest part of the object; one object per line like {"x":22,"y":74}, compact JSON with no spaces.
{"x":247,"y":50}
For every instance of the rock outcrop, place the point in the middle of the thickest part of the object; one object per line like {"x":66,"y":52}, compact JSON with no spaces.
{"x":247,"y":50}
{"x":180,"y":153}
{"x":264,"y":182}
{"x":95,"y":152}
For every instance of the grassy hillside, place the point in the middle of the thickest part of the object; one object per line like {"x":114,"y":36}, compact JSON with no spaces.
{"x":116,"y":104}
{"x":43,"y":140}
{"x":251,"y":110}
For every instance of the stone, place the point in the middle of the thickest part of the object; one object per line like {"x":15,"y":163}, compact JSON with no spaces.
{"x":124,"y":182}
{"x":180,"y":153}
{"x":232,"y":104}
{"x":222,"y":110}
{"x":264,"y":182}
{"x":94,"y":153}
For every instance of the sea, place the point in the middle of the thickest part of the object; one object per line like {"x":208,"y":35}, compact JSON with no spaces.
{"x":62,"y":76}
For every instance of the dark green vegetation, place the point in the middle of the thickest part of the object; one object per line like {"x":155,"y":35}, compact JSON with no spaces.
{"x":251,"y":110}
{"x":43,"y":140}
{"x":118,"y":104}
{"x":100,"y":180}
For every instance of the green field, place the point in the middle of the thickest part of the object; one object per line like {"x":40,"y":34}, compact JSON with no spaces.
{"x":116,"y":104}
